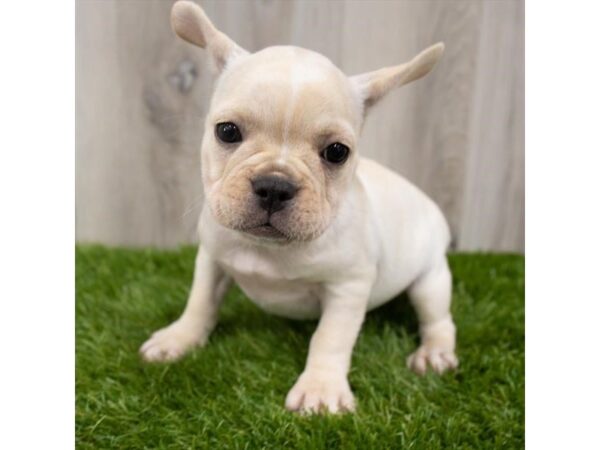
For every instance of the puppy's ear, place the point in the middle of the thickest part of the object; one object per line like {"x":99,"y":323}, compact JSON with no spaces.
{"x":372,"y":86}
{"x":191,"y":24}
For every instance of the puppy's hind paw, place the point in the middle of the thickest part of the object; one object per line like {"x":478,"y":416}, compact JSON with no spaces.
{"x":172,"y":342}
{"x":439,"y":360}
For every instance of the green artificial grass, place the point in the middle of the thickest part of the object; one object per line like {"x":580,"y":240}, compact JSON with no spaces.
{"x":230,"y":394}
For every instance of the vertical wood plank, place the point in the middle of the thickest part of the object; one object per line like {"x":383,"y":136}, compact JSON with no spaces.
{"x":494,"y":209}
{"x":141,"y":98}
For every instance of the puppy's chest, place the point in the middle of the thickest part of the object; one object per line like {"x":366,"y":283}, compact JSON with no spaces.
{"x":277,"y":286}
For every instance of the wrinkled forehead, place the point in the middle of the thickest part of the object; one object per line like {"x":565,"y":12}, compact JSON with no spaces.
{"x":284,"y":86}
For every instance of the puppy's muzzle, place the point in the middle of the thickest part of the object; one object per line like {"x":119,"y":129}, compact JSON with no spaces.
{"x":273,"y":193}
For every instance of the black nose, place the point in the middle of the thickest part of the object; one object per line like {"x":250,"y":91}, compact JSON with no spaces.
{"x":273,"y":193}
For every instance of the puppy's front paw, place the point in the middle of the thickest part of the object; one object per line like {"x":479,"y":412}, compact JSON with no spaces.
{"x":317,"y":392}
{"x":438,"y":359}
{"x":172,"y":342}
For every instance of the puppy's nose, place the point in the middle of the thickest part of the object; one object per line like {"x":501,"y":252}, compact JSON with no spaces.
{"x":273,"y":193}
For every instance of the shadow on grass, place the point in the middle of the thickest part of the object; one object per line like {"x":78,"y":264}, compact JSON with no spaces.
{"x":295,"y":335}
{"x":398,"y":312}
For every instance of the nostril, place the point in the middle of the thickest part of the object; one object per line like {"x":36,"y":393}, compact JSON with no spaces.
{"x":284,"y":196}
{"x":262,"y":193}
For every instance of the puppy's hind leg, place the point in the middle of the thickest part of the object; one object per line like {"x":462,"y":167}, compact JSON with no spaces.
{"x":431,"y":296}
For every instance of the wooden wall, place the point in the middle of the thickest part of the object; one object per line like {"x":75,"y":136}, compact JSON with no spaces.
{"x":141,"y":95}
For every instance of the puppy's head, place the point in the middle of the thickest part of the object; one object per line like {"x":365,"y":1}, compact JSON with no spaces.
{"x":279,"y":149}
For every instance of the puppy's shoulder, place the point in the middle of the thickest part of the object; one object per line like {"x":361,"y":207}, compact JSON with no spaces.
{"x":375,"y":176}
{"x":394,"y":197}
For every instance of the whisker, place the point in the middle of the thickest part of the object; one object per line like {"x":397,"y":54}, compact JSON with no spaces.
{"x":193,"y":206}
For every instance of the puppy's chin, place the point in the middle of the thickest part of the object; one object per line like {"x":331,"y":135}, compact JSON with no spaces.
{"x":266,"y":231}
{"x":276,"y":231}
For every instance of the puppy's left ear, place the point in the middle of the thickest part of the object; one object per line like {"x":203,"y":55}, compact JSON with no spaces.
{"x":372,"y":86}
{"x":191,"y":24}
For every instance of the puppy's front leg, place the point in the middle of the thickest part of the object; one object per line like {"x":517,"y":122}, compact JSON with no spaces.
{"x":324,"y":382}
{"x":199,"y":317}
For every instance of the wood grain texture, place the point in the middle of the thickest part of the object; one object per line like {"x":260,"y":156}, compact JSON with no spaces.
{"x":141,"y":97}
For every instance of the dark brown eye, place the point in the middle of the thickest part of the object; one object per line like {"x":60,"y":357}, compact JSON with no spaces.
{"x":228,"y":132}
{"x":335,"y":153}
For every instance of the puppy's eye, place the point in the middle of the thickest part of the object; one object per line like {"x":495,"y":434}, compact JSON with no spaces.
{"x":335,"y":153}
{"x":228,"y":132}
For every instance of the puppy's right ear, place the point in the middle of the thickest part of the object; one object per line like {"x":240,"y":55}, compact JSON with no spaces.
{"x":191,"y":24}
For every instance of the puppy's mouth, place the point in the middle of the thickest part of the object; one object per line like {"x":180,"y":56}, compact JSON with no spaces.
{"x":266,"y":230}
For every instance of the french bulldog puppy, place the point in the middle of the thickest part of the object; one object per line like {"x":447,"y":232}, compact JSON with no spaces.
{"x":299,"y":220}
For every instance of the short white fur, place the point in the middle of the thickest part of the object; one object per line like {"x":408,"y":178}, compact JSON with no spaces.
{"x":300,"y":75}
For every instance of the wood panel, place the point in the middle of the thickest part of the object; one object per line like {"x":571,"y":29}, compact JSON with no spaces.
{"x":493,"y":200}
{"x":142,"y":95}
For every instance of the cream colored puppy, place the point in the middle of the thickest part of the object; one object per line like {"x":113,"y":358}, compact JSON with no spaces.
{"x":304,"y":225}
